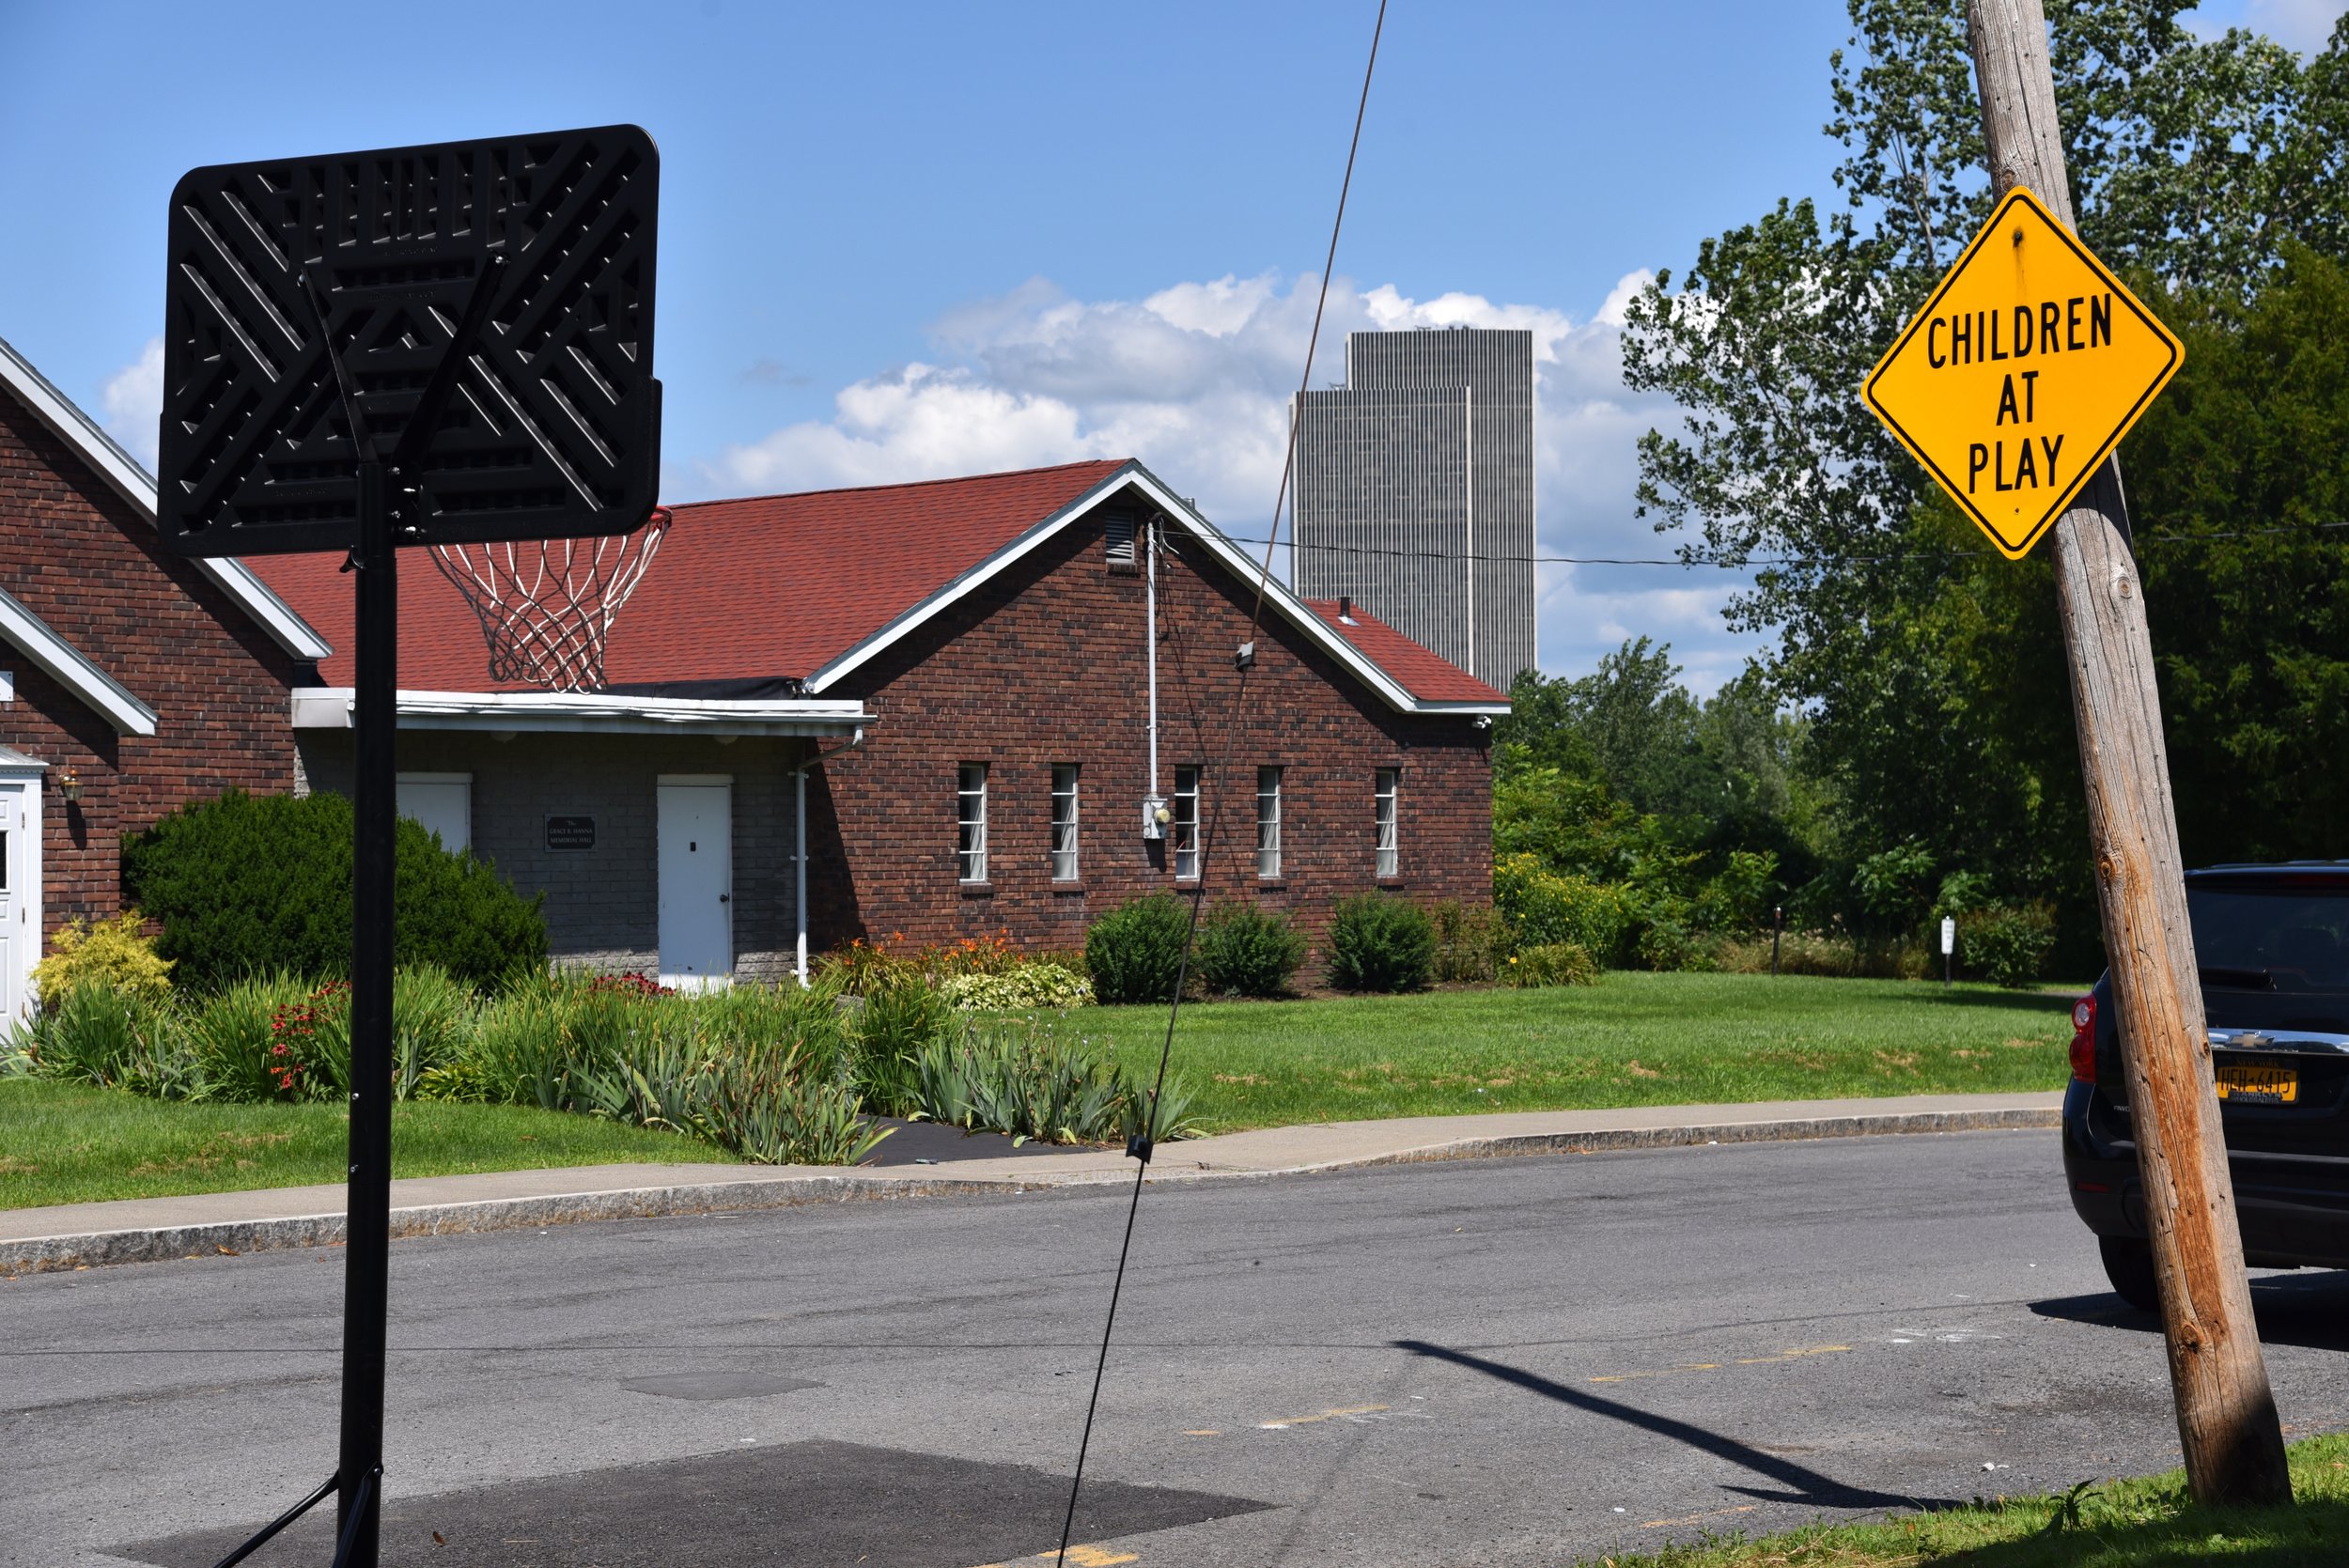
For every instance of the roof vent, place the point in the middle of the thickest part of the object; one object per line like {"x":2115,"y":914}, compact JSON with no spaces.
{"x":1117,"y":542}
{"x":1345,"y":611}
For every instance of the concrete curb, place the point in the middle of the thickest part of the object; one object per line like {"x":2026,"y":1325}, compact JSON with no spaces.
{"x":45,"y":1254}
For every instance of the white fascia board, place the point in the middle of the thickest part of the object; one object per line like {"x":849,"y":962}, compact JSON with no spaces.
{"x":39,"y":642}
{"x":315,"y":708}
{"x":1235,"y":560}
{"x":1295,"y":610}
{"x":972,"y":579}
{"x":122,"y":472}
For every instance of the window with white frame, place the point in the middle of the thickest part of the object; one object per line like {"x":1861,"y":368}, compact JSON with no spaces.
{"x":1389,"y":857}
{"x":1268,"y":822}
{"x":1064,"y":822}
{"x":1183,"y":832}
{"x":971,"y":815}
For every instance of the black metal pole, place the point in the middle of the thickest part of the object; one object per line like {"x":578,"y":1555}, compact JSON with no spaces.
{"x":367,"y":1259}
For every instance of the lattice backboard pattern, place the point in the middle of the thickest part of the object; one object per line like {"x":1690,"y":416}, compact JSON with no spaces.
{"x":554,"y":429}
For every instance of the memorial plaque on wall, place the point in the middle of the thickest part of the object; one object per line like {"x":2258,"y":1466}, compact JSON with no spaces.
{"x":570,"y":833}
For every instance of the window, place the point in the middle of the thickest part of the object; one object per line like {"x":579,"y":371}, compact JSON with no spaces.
{"x":1268,"y":822}
{"x":1064,"y":822}
{"x":1390,"y":858}
{"x":441,"y":801}
{"x":970,"y":812}
{"x":1183,"y":832}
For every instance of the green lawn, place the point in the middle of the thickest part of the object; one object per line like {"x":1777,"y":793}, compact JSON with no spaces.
{"x":63,"y":1144}
{"x":1633,"y":1039}
{"x":2121,"y":1524}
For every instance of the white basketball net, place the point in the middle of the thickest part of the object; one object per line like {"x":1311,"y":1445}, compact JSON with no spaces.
{"x":545,"y":605}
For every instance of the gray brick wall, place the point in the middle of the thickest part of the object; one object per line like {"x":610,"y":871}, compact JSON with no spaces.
{"x":602,"y":903}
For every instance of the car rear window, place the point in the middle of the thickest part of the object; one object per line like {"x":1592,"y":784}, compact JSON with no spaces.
{"x":2273,"y":956}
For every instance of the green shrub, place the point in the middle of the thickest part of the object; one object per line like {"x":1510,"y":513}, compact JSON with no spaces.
{"x":1550,"y":964}
{"x":521,"y":1051}
{"x":431,"y":1016}
{"x":749,"y":1019}
{"x":1379,"y":942}
{"x":862,"y":967}
{"x":246,"y":884}
{"x":2006,"y":944}
{"x":118,"y":1040}
{"x":1032,"y":985}
{"x":1246,"y":952}
{"x":1035,"y":1081}
{"x":238,"y":1042}
{"x":116,"y":953}
{"x":1135,"y":952}
{"x":1541,"y":907}
{"x":771,"y":1110}
{"x":887,"y":1038}
{"x":1470,"y":942}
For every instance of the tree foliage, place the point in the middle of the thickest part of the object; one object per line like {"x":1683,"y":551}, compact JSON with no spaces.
{"x":2214,"y":171}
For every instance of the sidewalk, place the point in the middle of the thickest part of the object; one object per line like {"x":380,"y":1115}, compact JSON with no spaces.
{"x":146,"y":1230}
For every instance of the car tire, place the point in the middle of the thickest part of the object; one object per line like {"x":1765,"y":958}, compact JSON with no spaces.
{"x":2130,"y":1264}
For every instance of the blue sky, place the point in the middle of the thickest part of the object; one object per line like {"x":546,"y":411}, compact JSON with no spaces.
{"x":901,"y":241}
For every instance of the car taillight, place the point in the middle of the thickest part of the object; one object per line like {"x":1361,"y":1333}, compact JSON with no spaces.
{"x":2084,"y":1039}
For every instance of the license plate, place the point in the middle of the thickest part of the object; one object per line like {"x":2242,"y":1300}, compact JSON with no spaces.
{"x":2257,"y":1085}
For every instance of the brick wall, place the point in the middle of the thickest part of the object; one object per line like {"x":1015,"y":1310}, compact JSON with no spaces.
{"x":92,"y":566}
{"x":602,"y":903}
{"x":1046,"y":664}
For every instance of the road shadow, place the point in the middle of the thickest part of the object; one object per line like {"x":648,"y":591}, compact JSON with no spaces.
{"x":2308,"y":1309}
{"x":1804,"y":1485}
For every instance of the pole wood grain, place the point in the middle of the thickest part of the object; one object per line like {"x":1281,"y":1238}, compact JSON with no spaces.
{"x":2227,"y":1421}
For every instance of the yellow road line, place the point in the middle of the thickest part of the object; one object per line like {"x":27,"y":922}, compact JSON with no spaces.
{"x":1325,"y":1416}
{"x":1716,"y":1366}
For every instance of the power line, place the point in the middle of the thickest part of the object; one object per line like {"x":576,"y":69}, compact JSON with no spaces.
{"x":1750,"y":562}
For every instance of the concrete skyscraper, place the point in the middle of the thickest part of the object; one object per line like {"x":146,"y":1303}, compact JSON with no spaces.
{"x":1415,"y":492}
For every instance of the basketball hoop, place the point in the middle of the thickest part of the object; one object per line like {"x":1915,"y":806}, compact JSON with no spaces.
{"x":545,"y":605}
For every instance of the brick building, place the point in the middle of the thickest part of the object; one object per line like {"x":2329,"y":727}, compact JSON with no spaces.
{"x":923,"y":711}
{"x":130,"y":681}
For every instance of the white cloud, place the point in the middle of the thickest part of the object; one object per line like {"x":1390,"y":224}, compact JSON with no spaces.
{"x":1195,"y":379}
{"x":2301,"y":24}
{"x":133,"y":399}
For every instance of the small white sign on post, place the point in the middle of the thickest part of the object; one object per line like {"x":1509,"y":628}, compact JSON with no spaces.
{"x":1949,"y":935}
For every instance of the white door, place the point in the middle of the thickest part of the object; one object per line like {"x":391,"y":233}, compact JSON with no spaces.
{"x":696,"y":827}
{"x":20,"y":894}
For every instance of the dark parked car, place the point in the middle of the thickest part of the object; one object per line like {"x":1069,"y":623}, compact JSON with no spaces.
{"x":2273,"y":945}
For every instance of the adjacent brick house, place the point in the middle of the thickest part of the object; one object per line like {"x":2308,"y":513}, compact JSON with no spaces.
{"x":130,"y":681}
{"x":922,"y":712}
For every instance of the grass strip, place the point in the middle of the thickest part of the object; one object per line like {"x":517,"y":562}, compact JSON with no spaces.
{"x":1633,"y":1039}
{"x":67,"y":1143}
{"x":2146,"y":1523}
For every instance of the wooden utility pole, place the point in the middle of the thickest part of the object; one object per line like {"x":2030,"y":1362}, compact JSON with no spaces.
{"x":2226,"y":1414}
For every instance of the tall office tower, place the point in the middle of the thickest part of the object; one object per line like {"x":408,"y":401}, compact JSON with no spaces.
{"x":1415,"y":492}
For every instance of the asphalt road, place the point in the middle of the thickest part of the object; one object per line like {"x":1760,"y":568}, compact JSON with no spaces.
{"x":1508,"y":1362}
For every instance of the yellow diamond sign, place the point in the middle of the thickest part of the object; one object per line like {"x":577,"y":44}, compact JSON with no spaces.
{"x":2027,"y":366}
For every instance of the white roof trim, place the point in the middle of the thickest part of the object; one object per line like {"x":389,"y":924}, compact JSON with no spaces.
{"x":1320,"y":632}
{"x":39,"y":642}
{"x":136,"y":484}
{"x":328,"y":707}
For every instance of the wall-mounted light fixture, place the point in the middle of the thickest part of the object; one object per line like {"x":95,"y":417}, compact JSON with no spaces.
{"x":70,"y":785}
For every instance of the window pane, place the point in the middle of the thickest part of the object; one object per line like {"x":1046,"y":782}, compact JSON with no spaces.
{"x":971,"y":815}
{"x":1064,"y":822}
{"x":1390,"y":858}
{"x":1268,"y":822}
{"x":1184,"y":831}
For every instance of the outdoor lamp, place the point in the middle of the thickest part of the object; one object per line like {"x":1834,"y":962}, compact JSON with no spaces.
{"x":70,"y":785}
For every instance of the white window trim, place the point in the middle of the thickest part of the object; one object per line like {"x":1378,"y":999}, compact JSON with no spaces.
{"x":1387,"y":786}
{"x":1174,"y":831}
{"x":1268,"y":845}
{"x":969,"y":849}
{"x":1072,"y":869}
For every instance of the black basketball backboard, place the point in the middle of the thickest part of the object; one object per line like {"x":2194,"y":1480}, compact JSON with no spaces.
{"x":552,"y":424}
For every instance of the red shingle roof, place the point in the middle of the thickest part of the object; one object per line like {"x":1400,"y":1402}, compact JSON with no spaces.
{"x":780,"y":587}
{"x":1426,"y":676}
{"x":769,"y":587}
